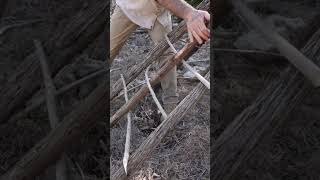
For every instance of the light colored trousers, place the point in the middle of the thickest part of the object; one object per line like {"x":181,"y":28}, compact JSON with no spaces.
{"x":121,"y":27}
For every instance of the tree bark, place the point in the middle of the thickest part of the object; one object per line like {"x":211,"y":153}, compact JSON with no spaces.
{"x":82,"y":29}
{"x":154,"y":139}
{"x":262,"y":117}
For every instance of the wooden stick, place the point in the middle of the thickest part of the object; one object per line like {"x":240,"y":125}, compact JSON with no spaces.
{"x":64,"y":45}
{"x":121,"y":94}
{"x":128,"y":134}
{"x":60,"y":91}
{"x":154,"y":139}
{"x":309,"y":69}
{"x":11,"y":26}
{"x":77,"y":123}
{"x":164,"y":114}
{"x":188,"y":49}
{"x":247,"y":51}
{"x":61,"y":168}
{"x":201,"y":78}
{"x":262,"y":118}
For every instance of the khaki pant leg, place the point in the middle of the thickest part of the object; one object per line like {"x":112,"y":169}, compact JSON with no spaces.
{"x":169,"y":82}
{"x":120,"y":29}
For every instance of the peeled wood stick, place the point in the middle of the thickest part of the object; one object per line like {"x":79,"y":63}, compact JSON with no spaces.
{"x":187,"y":50}
{"x":309,"y":69}
{"x":164,"y":114}
{"x":61,"y":168}
{"x":154,"y":139}
{"x":201,"y":78}
{"x":128,"y":134}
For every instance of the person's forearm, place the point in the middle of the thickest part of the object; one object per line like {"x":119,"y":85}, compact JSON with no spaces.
{"x":178,"y":7}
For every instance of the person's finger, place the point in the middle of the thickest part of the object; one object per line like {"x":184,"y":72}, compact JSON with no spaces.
{"x":201,"y":34}
{"x":195,"y":35}
{"x":207,"y":16}
{"x":190,"y":36}
{"x":204,"y":29}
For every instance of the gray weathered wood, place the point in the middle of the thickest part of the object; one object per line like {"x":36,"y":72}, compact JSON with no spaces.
{"x":45,"y":153}
{"x":59,"y":92}
{"x":149,"y":145}
{"x":61,"y":168}
{"x":82,"y":29}
{"x":308,"y":68}
{"x":262,"y":117}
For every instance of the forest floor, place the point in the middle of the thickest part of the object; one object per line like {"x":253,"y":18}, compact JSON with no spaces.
{"x":292,"y":152}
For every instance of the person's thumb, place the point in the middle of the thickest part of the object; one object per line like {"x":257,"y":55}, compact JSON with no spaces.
{"x":207,"y":16}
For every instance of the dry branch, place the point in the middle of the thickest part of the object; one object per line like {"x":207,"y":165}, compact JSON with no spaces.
{"x":248,"y":51}
{"x":11,"y":26}
{"x":310,"y":70}
{"x":262,"y":117}
{"x":60,"y":92}
{"x":61,"y":168}
{"x":149,"y":145}
{"x":128,"y":134}
{"x":164,"y":114}
{"x":154,"y":54}
{"x":50,"y":89}
{"x":82,"y":29}
{"x":186,"y":51}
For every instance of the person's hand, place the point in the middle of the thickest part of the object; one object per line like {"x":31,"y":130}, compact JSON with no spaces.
{"x":196,"y":24}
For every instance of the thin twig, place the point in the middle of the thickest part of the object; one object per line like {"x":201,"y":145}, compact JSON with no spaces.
{"x":128,"y":134}
{"x":115,"y":69}
{"x":6,"y":28}
{"x":201,"y":78}
{"x":122,"y":93}
{"x":164,"y":114}
{"x":80,"y":171}
{"x":61,"y":91}
{"x":246,"y":51}
{"x":51,"y":105}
